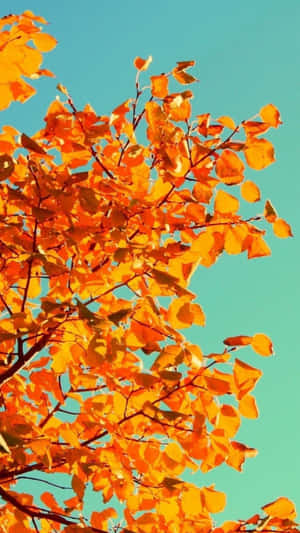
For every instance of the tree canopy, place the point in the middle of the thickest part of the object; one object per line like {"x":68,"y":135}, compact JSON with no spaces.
{"x":104,"y":220}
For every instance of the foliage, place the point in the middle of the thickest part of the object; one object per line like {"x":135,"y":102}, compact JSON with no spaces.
{"x":97,"y":379}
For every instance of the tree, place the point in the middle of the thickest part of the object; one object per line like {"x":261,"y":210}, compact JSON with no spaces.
{"x":97,"y":380}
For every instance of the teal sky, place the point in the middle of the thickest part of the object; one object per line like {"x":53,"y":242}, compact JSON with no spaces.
{"x":247,"y":56}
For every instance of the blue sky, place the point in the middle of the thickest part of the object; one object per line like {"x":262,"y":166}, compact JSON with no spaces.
{"x":247,"y":56}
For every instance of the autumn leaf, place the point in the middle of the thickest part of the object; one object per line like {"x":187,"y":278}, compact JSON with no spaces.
{"x":142,"y":64}
{"x":230,"y":168}
{"x":226,"y":203}
{"x":159,"y":86}
{"x":261,"y":344}
{"x":250,"y":191}
{"x":282,"y":229}
{"x":44,"y":42}
{"x":270,"y":115}
{"x":259,"y":153}
{"x":240,"y":340}
{"x":280,"y":508}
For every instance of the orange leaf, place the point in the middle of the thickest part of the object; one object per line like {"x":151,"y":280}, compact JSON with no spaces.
{"x":282,"y":229}
{"x":245,"y":377}
{"x":159,"y":86}
{"x":259,"y":153}
{"x":240,"y":340}
{"x":280,"y":508}
{"x":142,"y":64}
{"x":227,"y":122}
{"x":44,"y":42}
{"x":230,"y":167}
{"x":226,"y":203}
{"x":183,"y":77}
{"x":250,"y":192}
{"x":49,"y":500}
{"x":248,"y":407}
{"x":99,"y":519}
{"x":262,"y":344}
{"x":253,"y":129}
{"x":214,"y":501}
{"x":270,"y":115}
{"x":258,"y":247}
{"x":229,"y":420}
{"x":191,"y":502}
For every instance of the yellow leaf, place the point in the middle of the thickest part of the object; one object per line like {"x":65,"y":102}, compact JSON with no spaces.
{"x":227,"y":122}
{"x":174,"y":452}
{"x":230,"y":167}
{"x":250,"y":191}
{"x":191,"y":502}
{"x":245,"y":377}
{"x":228,"y":420}
{"x":280,"y":508}
{"x":282,"y":229}
{"x":270,"y":115}
{"x":259,"y":153}
{"x":258,"y":248}
{"x":226,"y":203}
{"x":248,"y":407}
{"x":214,"y":501}
{"x":44,"y":42}
{"x":262,"y":344}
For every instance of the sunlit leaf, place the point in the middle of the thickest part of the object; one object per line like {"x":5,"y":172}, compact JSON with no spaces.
{"x":259,"y":153}
{"x":262,"y":344}
{"x":142,"y":64}
{"x":270,"y":115}
{"x":280,"y":508}
{"x":282,"y":229}
{"x":250,"y":191}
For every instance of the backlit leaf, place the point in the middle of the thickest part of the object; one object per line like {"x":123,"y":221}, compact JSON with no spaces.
{"x":159,"y":86}
{"x":261,"y":344}
{"x":240,"y":340}
{"x":280,"y":508}
{"x":44,"y":42}
{"x":214,"y":500}
{"x":230,"y":167}
{"x":250,"y":191}
{"x":142,"y":64}
{"x":282,"y":229}
{"x":259,"y":153}
{"x":226,"y":203}
{"x":270,"y":115}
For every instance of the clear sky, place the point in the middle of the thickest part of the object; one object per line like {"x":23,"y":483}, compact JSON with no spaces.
{"x":247,"y":56}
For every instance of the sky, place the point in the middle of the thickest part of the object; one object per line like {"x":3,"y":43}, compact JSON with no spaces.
{"x":247,"y":56}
